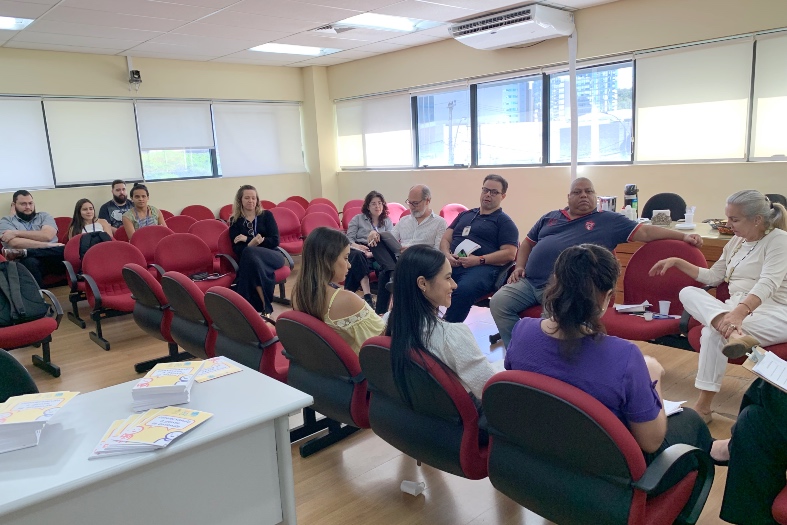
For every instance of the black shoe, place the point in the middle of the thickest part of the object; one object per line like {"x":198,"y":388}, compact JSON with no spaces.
{"x":368,"y":298}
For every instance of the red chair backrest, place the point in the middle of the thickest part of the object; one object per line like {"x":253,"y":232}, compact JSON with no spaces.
{"x":184,"y":253}
{"x":166,"y":214}
{"x":315,"y":220}
{"x":146,"y":239}
{"x":450,"y":211}
{"x":294,"y":207}
{"x":352,"y":203}
{"x":300,"y":200}
{"x":324,"y":208}
{"x":267,"y":205}
{"x":638,"y":286}
{"x":289,"y":224}
{"x":209,"y":230}
{"x":180,"y":223}
{"x":63,"y":225}
{"x":151,"y":311}
{"x":323,"y":200}
{"x":225,"y":213}
{"x":405,"y":213}
{"x":104,"y":263}
{"x":395,"y":211}
{"x":198,"y":212}
{"x":71,"y":255}
{"x":348,"y":215}
{"x":120,"y":234}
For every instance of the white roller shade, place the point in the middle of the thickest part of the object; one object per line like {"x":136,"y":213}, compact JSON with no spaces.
{"x":92,"y":141}
{"x":174,"y":125}
{"x":769,"y":139}
{"x":258,"y":139}
{"x":692,"y":103}
{"x":375,"y":132}
{"x":24,"y":152}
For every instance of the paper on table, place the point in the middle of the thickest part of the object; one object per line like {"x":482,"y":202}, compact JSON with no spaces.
{"x":672,"y":407}
{"x":465,"y":248}
{"x":773,"y":369}
{"x":632,"y":308}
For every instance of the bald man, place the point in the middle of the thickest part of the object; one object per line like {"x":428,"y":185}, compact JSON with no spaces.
{"x":578,"y":223}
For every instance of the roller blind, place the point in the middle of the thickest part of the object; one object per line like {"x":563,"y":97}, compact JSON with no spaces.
{"x":174,"y":125}
{"x":769,"y":139}
{"x":24,"y":152}
{"x":692,"y":103}
{"x":258,"y":139}
{"x":92,"y":141}
{"x":375,"y":132}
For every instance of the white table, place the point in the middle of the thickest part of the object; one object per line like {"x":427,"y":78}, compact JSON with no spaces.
{"x":235,"y":468}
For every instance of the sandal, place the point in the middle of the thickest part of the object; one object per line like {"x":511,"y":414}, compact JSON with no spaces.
{"x":739,"y":347}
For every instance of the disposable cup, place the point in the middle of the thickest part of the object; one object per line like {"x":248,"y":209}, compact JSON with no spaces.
{"x":648,"y":316}
{"x":664,"y":307}
{"x":689,"y":218}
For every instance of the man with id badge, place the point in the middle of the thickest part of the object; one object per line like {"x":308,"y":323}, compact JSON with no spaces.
{"x":478,"y":244}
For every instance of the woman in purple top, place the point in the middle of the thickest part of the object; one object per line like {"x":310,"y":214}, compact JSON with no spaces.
{"x":572,"y":346}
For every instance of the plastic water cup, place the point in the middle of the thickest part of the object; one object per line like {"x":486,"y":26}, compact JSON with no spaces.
{"x":689,"y":218}
{"x":648,"y":316}
{"x":664,"y":307}
{"x":414,"y":488}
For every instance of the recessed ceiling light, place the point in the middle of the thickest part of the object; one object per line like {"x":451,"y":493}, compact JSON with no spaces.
{"x":294,"y":50}
{"x":386,"y":22}
{"x":14,"y":24}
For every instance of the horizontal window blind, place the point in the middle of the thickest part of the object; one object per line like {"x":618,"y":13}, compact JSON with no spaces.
{"x":174,"y":125}
{"x":24,"y":152}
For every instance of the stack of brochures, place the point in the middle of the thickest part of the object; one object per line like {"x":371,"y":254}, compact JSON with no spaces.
{"x":152,"y":430}
{"x":166,"y":384}
{"x":214,"y":368}
{"x":22,"y":418}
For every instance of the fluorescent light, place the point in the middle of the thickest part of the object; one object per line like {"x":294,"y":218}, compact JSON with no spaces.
{"x":376,"y":21}
{"x":14,"y":24}
{"x":294,"y":50}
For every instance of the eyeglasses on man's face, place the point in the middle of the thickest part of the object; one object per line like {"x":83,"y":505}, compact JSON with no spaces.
{"x":414,"y":204}
{"x":493,"y":193}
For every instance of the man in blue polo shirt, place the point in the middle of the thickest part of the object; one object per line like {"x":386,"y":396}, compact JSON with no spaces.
{"x":554,"y":232}
{"x":497,"y":237}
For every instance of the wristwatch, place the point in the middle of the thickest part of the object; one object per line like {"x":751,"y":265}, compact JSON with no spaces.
{"x":482,"y":259}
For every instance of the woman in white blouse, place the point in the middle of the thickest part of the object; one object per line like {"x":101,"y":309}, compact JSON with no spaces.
{"x":423,"y":283}
{"x":754,"y":263}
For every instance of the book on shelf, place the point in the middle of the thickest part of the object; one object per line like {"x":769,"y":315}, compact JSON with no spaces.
{"x":23,"y":418}
{"x":165,"y":384}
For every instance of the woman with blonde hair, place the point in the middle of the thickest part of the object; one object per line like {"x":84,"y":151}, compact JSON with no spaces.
{"x":324,"y":264}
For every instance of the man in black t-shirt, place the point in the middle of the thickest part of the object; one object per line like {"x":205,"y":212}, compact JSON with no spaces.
{"x":113,"y":211}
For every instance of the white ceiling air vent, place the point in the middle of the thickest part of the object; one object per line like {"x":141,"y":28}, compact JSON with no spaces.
{"x":530,"y":23}
{"x":331,"y":30}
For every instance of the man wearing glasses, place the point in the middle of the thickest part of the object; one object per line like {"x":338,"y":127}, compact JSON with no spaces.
{"x":422,"y":226}
{"x":493,"y":242}
{"x":578,"y":223}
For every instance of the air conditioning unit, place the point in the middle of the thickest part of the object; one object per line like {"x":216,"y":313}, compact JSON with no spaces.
{"x":510,"y":28}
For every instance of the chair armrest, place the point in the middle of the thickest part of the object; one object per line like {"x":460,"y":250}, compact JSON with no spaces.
{"x":161,"y":271}
{"x":229,"y":259}
{"x":502,"y":277}
{"x":72,"y":275}
{"x":93,"y":289}
{"x":55,"y":305}
{"x":665,"y":462}
{"x":287,"y":256}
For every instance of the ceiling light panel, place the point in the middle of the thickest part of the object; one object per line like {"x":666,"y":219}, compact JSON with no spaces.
{"x":424,"y":11}
{"x":9,"y":23}
{"x":290,"y":49}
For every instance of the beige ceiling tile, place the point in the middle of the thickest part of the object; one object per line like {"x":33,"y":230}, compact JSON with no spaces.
{"x":357,"y":5}
{"x":263,"y":22}
{"x":5,"y":35}
{"x":101,"y":18}
{"x":415,"y":39}
{"x":381,"y":47}
{"x":143,"y":8}
{"x":213,"y":4}
{"x":71,"y":40}
{"x":299,"y":11}
{"x":168,"y":56}
{"x":203,"y":45}
{"x":65,"y":28}
{"x":354,"y":54}
{"x":69,"y":49}
{"x":171,"y":49}
{"x":240,"y":33}
{"x":269,"y":57}
{"x":476,"y":5}
{"x":321,"y":61}
{"x":424,"y":11}
{"x":22,"y":9}
{"x":308,"y":39}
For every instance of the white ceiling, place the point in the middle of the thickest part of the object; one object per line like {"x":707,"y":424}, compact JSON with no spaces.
{"x":224,"y":30}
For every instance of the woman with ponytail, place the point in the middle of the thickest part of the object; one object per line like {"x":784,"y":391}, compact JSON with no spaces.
{"x":571,"y":345}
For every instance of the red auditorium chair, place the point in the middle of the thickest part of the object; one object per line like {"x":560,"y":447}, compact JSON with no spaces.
{"x":348,"y":215}
{"x":449,"y":212}
{"x":76,"y":286}
{"x":294,"y":207}
{"x":289,"y":230}
{"x":638,"y":287}
{"x":192,"y":327}
{"x":324,"y":366}
{"x":440,"y":428}
{"x":352,"y":203}
{"x":315,"y":220}
{"x":35,"y":332}
{"x":180,"y":223}
{"x":300,"y":200}
{"x":198,"y":212}
{"x":120,"y":235}
{"x":323,"y":200}
{"x":780,"y":507}
{"x":152,"y":313}
{"x":565,"y":442}
{"x":396,"y":211}
{"x":225,"y":213}
{"x":188,"y":254}
{"x":107,"y":293}
{"x":324,"y":208}
{"x":243,"y":336}
{"x":146,"y":239}
{"x":63,"y":224}
{"x":209,"y":230}
{"x":167,"y":214}
{"x":267,"y":205}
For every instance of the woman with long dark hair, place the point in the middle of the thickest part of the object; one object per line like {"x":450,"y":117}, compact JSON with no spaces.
{"x":571,"y":345}
{"x":141,"y":214}
{"x":423,"y":284}
{"x":325,"y":262}
{"x":85,"y":220}
{"x":255,"y":236}
{"x":373,"y":218}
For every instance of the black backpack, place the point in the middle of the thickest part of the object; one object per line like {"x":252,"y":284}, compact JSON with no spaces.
{"x":20,"y":299}
{"x":90,"y":239}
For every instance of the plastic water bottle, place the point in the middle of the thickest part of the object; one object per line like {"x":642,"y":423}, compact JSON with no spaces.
{"x":631,"y":198}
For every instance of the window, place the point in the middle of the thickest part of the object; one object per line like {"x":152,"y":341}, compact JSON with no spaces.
{"x":769,"y":141}
{"x":604,"y":105}
{"x":692,"y":103}
{"x":375,"y":132}
{"x":509,"y":121}
{"x":24,"y":152}
{"x":444,"y":128}
{"x":176,"y":139}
